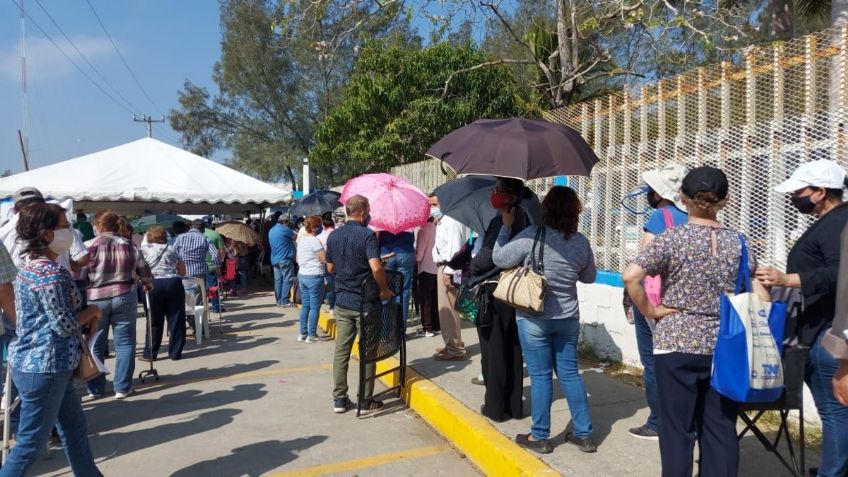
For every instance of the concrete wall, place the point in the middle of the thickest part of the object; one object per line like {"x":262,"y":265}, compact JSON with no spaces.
{"x":610,"y":336}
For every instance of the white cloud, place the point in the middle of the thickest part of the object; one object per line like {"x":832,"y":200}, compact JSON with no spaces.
{"x":46,"y":62}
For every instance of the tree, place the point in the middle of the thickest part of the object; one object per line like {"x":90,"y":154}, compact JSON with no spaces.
{"x":394,"y":106}
{"x":281,"y":69}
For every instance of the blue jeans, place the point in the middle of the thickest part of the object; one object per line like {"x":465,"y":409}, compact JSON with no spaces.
{"x":48,"y":399}
{"x":211,"y":281}
{"x":834,"y":416}
{"x":311,"y":291}
{"x":283,"y":281}
{"x":120,"y":313}
{"x":330,"y":282}
{"x":404,"y":263}
{"x":645,"y":343}
{"x":551,"y":345}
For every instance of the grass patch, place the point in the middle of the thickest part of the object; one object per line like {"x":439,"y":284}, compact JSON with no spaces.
{"x":770,"y":422}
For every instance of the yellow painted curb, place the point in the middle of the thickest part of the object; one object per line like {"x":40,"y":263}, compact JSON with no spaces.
{"x":468,"y":431}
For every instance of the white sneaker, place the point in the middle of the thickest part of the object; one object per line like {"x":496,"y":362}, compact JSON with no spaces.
{"x":429,"y":334}
{"x":301,"y":338}
{"x":124,"y":395}
{"x":312,"y":339}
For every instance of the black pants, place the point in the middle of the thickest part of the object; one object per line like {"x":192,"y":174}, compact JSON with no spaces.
{"x":167,"y":300}
{"x":503,"y":364}
{"x":690,"y":410}
{"x":428,"y":301}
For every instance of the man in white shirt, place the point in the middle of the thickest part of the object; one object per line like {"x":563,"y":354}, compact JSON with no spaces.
{"x":450,"y":236}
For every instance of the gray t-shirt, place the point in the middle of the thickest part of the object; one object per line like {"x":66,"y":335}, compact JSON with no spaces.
{"x":566,"y":261}
{"x":307,"y":256}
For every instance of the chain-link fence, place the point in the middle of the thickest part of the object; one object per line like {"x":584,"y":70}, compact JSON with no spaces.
{"x":757,"y":118}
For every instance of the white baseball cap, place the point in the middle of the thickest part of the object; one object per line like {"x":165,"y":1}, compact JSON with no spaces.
{"x":666,"y":182}
{"x":822,"y":173}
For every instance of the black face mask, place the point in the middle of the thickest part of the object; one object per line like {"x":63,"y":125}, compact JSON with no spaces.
{"x":653,"y":199}
{"x":804,"y":204}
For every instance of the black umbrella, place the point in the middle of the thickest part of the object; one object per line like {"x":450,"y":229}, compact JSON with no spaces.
{"x":521,"y":148}
{"x":317,"y":203}
{"x":468,"y":200}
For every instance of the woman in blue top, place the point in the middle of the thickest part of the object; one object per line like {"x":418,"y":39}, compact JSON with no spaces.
{"x":47,"y":348}
{"x":664,"y":198}
{"x":549,"y":339}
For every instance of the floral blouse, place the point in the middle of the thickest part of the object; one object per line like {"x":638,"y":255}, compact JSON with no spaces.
{"x":46,"y":303}
{"x":693,"y":280}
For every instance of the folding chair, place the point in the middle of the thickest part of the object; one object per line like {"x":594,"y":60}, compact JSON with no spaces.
{"x":794,"y":368}
{"x":381,"y":334}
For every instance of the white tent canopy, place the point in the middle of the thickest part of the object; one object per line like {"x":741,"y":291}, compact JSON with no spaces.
{"x":147,"y":176}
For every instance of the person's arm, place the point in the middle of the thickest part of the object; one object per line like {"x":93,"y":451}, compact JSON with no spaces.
{"x":508,"y":254}
{"x":456,"y":239}
{"x":590,"y":271}
{"x":8,"y":273}
{"x":328,"y":258}
{"x":214,"y":253}
{"x":651,"y":261}
{"x":322,"y":256}
{"x":835,"y":339}
{"x":181,"y":268}
{"x":372,"y":252}
{"x":822,"y":280}
{"x":142,"y":269}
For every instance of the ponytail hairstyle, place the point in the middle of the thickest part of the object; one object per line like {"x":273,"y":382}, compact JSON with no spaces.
{"x":106,"y":221}
{"x":125,"y":230}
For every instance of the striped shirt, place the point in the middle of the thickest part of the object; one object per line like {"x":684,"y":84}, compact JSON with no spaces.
{"x":193,"y":248}
{"x":114,"y":263}
{"x":8,"y":270}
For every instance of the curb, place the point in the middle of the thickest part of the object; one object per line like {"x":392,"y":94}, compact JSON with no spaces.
{"x":472,"y":434}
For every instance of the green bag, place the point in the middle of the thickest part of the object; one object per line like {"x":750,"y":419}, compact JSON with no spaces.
{"x":468,"y":303}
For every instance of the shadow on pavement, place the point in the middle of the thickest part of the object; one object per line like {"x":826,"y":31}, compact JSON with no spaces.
{"x":252,"y":460}
{"x":227,"y":344}
{"x":432,"y":368}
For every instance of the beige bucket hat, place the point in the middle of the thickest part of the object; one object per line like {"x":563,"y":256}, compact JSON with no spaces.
{"x":666,"y":182}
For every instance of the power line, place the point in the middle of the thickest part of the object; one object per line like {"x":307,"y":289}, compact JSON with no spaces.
{"x":82,"y":71}
{"x":123,"y":60}
{"x":80,"y":53}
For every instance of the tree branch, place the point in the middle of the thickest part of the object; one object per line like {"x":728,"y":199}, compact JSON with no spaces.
{"x":482,"y":65}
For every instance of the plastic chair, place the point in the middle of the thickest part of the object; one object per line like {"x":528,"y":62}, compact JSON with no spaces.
{"x":212,"y":293}
{"x":229,"y":278}
{"x":195,"y":287}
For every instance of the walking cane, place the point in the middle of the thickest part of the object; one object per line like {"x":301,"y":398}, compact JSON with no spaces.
{"x":151,"y":371}
{"x":7,"y":412}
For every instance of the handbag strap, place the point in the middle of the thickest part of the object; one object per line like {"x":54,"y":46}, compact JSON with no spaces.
{"x":539,"y":266}
{"x":667,"y":218}
{"x":743,"y":276}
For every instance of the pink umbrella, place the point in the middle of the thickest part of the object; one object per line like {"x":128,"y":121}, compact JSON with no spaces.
{"x":396,"y":205}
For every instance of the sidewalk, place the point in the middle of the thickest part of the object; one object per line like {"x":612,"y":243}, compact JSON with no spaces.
{"x":252,"y":402}
{"x":616,"y":406}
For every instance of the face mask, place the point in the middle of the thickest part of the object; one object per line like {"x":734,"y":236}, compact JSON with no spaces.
{"x":367,"y":220}
{"x":319,"y":230}
{"x":653,"y":199}
{"x":501,"y":201}
{"x":436,"y":213}
{"x":62,"y":241}
{"x":804,"y":204}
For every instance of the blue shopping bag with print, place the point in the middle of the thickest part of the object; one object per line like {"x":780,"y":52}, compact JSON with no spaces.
{"x":747,"y":365}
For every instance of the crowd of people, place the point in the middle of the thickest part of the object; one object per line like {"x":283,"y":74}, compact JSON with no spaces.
{"x":61,"y":285}
{"x":684,"y":244}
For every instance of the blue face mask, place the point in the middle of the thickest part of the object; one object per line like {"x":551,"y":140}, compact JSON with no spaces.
{"x":436,"y":213}
{"x":319,"y":230}
{"x":367,"y":220}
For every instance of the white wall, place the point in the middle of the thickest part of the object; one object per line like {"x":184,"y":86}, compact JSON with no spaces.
{"x":606,"y":330}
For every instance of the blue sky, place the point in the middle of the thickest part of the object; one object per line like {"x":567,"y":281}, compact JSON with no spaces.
{"x":163,"y":41}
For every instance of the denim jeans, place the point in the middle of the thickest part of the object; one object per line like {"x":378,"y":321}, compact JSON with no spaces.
{"x":404,"y":263}
{"x":330,"y":283}
{"x":283,"y":281}
{"x":645,"y":343}
{"x":120,"y":313}
{"x":212,"y":281}
{"x":311,"y":291}
{"x":551,"y":345}
{"x":834,"y":416}
{"x":48,"y":399}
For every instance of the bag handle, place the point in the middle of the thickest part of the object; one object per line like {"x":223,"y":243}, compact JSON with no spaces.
{"x":539,"y":266}
{"x":743,"y":277}
{"x":667,"y":218}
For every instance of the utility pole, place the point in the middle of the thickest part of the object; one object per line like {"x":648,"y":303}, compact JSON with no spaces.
{"x":149,"y":120}
{"x":23,"y":150}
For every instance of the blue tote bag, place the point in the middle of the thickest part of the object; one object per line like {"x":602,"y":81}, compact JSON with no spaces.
{"x":747,"y":365}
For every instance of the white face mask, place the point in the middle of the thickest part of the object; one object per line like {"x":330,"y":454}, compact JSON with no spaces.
{"x":62,"y":241}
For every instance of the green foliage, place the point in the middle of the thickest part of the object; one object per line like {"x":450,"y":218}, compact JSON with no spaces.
{"x":393,"y":107}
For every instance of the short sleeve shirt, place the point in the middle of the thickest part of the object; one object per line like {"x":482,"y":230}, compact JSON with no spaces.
{"x":162,"y":258}
{"x":349,"y":248}
{"x":656,"y":223}
{"x":693,"y":280}
{"x":307,"y":258}
{"x":8,"y":270}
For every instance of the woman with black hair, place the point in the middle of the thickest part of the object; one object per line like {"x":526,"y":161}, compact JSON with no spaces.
{"x":500,"y":350}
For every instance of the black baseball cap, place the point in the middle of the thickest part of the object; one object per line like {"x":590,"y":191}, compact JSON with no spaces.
{"x":705,"y":179}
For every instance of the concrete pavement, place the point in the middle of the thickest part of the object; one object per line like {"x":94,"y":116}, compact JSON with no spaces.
{"x":252,"y":402}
